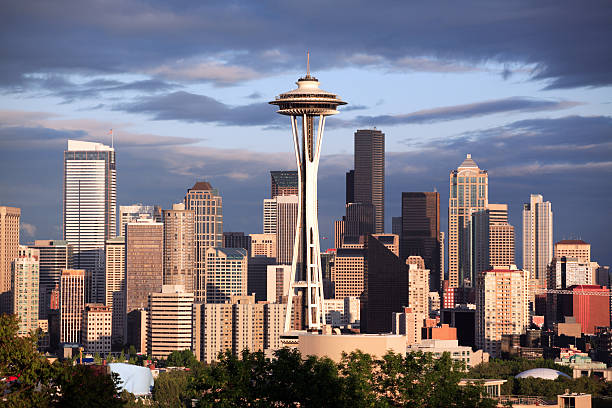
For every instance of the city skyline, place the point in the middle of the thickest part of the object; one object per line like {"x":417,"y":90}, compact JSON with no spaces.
{"x":525,"y":111}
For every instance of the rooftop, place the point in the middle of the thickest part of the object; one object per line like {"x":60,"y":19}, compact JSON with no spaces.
{"x":79,"y":145}
{"x":468,"y":162}
{"x":201,"y":185}
{"x":572,"y":242}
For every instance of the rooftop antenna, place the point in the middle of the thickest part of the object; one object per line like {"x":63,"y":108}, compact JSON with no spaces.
{"x":307,"y":64}
{"x":112,"y":138}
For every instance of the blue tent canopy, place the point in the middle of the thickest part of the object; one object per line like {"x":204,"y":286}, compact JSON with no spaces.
{"x":135,"y":379}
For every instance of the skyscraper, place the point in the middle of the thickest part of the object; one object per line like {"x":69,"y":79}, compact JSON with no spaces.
{"x":573,"y":248}
{"x":72,"y":302}
{"x":350,"y":186}
{"x":492,"y":239}
{"x":418,"y":285}
{"x":54,"y":256}
{"x":170,"y":321}
{"x":360,"y":219}
{"x":115,"y":287}
{"x":207,"y":205}
{"x":131,"y":213}
{"x":263,"y":245}
{"x":468,"y":194}
{"x":96,"y":329}
{"x":226,"y":274}
{"x":90,"y":197}
{"x":236,"y":240}
{"x":286,"y":221}
{"x":420,"y":231}
{"x":283,"y":183}
{"x":537,"y":237}
{"x":9,"y":246}
{"x":25,"y":289}
{"x":369,"y":179}
{"x":179,"y":247}
{"x":269,"y":216}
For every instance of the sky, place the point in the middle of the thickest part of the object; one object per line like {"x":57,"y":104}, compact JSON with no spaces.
{"x":525,"y":87}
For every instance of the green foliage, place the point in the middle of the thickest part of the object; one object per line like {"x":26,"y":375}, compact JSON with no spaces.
{"x":81,"y":386}
{"x":184,"y":358}
{"x":170,"y":389}
{"x":497,"y":368}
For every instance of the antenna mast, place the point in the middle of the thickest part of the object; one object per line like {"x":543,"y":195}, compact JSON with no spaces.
{"x":307,"y":63}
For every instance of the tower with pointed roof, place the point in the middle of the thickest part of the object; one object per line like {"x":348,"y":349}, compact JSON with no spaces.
{"x":307,"y":106}
{"x":469,"y":192}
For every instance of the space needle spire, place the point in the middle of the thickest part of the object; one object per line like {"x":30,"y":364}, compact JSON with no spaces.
{"x":308,"y":105}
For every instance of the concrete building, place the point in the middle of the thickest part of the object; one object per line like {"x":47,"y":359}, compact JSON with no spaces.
{"x":212,"y":330}
{"x":170,"y":321}
{"x":434,"y":302}
{"x":339,"y":228}
{"x":226,"y":274}
{"x":573,"y":248}
{"x":277,"y":283}
{"x":469,"y":186}
{"x":179,"y":247}
{"x":502,"y":306}
{"x":263,"y":245}
{"x":348,"y":273}
{"x":458,"y":353}
{"x":24,"y":288}
{"x":369,"y":179}
{"x":492,"y":238}
{"x":236,"y":240}
{"x":537,"y":237}
{"x":248,"y":330}
{"x":72,"y":302}
{"x":135,"y":212}
{"x":420,"y":232}
{"x":283,"y":183}
{"x":409,"y":324}
{"x":334,"y":345}
{"x":274,"y":324}
{"x":96,"y":331}
{"x":207,"y":206}
{"x":269,"y":216}
{"x":90,"y":208}
{"x":286,"y":221}
{"x":143,"y":271}
{"x":9,"y":247}
{"x":418,"y":285}
{"x":588,"y":304}
{"x":257,"y":276}
{"x":54,"y":255}
{"x":115,"y":287}
{"x":342,"y":312}
{"x":565,"y":271}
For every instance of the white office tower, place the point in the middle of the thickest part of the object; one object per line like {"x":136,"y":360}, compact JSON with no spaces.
{"x":269,"y":216}
{"x":537,"y":238}
{"x":90,"y":196}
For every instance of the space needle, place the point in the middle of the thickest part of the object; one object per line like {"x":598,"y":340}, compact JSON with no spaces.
{"x":308,"y":105}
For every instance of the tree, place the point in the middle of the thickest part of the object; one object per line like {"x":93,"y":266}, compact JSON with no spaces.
{"x":170,"y":389}
{"x":86,"y":386}
{"x":184,"y":358}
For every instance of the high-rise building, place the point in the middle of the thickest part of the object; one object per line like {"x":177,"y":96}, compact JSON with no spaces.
{"x":169,"y":326}
{"x":396,"y":225}
{"x":468,"y":194}
{"x":589,"y":305}
{"x":350,"y":186}
{"x":420,"y":231}
{"x":72,"y":302}
{"x":502,"y":306}
{"x":134,"y":212}
{"x":348,"y":273}
{"x":277,"y":283}
{"x":226,"y":274}
{"x":409,"y":323}
{"x":96,"y":331}
{"x":442,"y":258}
{"x":359,"y":220}
{"x":418,"y":285}
{"x":339,"y":227}
{"x":492,"y":238}
{"x":566,"y":271}
{"x":24,"y":287}
{"x":342,"y":312}
{"x":369,"y":181}
{"x":257,"y":276}
{"x":537,"y":237}
{"x":212,"y":330}
{"x":144,"y":246}
{"x":274,"y":324}
{"x":573,"y":248}
{"x":283,"y":183}
{"x":237,"y":240}
{"x":179,"y":247}
{"x":269,"y":216}
{"x":263,"y":245}
{"x":54,"y":257}
{"x":286,"y":221}
{"x":248,"y":325}
{"x":9,"y":246}
{"x":207,"y":205}
{"x":115,"y":287}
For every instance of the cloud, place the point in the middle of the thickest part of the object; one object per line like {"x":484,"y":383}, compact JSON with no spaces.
{"x":457,"y":112}
{"x":28,"y":229}
{"x":207,"y":71}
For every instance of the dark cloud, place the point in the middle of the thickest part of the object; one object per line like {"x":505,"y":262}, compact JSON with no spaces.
{"x":567,"y":160}
{"x":255,"y":95}
{"x":562,"y":42}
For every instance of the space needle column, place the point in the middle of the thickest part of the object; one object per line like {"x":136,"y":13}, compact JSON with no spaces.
{"x":307,"y":106}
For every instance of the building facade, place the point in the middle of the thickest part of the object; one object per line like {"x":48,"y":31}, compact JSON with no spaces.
{"x":179,"y":247}
{"x":369,"y":179}
{"x":116,"y":287}
{"x":236,"y":240}
{"x":54,"y":255}
{"x":263,"y":245}
{"x":207,"y":206}
{"x":348,"y":273}
{"x":72,"y":302}
{"x":134,"y":212}
{"x":269,"y":216}
{"x":418,"y":285}
{"x":468,"y":194}
{"x":96,"y":331}
{"x":24,"y":288}
{"x":286,"y":221}
{"x":283,"y":183}
{"x":492,"y":238}
{"x":9,"y":247}
{"x":226,"y":274}
{"x":170,"y":321}
{"x":573,"y":248}
{"x":537,"y":237}
{"x":90,"y":208}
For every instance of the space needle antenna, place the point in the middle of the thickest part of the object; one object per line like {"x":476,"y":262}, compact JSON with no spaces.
{"x":307,"y":63}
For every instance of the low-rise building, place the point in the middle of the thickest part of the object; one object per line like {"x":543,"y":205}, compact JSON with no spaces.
{"x":457,"y":352}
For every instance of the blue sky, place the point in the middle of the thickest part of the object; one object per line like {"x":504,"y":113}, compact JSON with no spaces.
{"x":526,"y":89}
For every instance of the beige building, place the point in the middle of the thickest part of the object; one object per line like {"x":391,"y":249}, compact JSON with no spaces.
{"x":96,"y":331}
{"x":339,"y":233}
{"x":573,"y":248}
{"x":409,"y":324}
{"x":278,"y":277}
{"x":115,"y":287}
{"x":468,"y":193}
{"x":492,"y":238}
{"x":9,"y":245}
{"x":391,"y":241}
{"x":537,"y":237}
{"x":286,"y":221}
{"x":207,"y":205}
{"x":135,"y":212}
{"x":274,"y":324}
{"x":248,"y":324}
{"x":269,"y":216}
{"x":72,"y":302}
{"x":24,"y":287}
{"x":212,"y":330}
{"x":263,"y":245}
{"x":226,"y":274}
{"x":502,"y":306}
{"x":567,"y":271}
{"x":348,"y":272}
{"x":170,"y":321}
{"x":342,"y":312}
{"x":418,"y":285}
{"x":179,"y":247}
{"x":333,"y":345}
{"x":54,"y":256}
{"x":458,"y":353}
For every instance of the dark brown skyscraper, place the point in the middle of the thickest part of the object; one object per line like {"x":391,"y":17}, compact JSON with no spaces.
{"x":350,"y":186}
{"x":359,"y":219}
{"x":283,"y":183}
{"x":369,"y":182}
{"x":420,"y":233}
